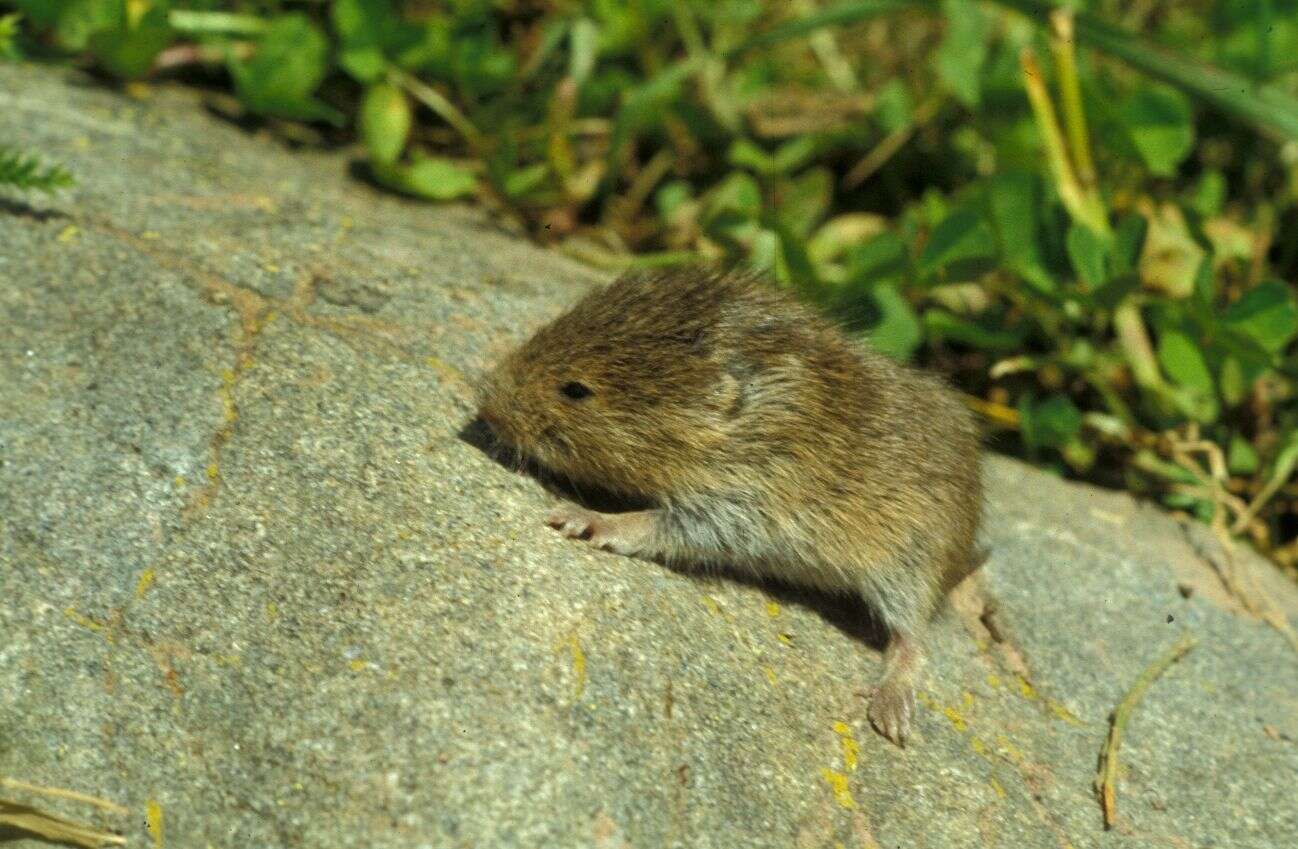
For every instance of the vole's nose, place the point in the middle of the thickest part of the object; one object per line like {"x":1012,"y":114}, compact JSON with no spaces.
{"x":492,"y":419}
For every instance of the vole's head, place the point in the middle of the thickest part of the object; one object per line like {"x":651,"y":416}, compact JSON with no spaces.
{"x":624,"y":390}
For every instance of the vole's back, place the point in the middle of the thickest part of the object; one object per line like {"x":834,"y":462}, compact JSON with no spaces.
{"x":826,"y":427}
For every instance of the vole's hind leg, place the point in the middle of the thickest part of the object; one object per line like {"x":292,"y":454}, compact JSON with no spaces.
{"x":904,"y":602}
{"x":620,"y":533}
{"x":892,"y":707}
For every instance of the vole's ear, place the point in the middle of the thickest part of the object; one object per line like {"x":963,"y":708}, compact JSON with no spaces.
{"x":736,"y":381}
{"x":700,"y":343}
{"x":696,"y":340}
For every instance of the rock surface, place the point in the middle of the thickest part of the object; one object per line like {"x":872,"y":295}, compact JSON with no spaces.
{"x":253,"y":577}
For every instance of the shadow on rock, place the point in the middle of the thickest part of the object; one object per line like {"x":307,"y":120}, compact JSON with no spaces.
{"x":22,"y":210}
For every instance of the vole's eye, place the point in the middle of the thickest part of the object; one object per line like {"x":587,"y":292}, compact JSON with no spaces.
{"x":574,"y":390}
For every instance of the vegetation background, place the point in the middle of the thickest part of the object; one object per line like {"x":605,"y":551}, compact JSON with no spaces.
{"x":1087,"y":216}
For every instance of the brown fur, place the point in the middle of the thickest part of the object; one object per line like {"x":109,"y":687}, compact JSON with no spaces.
{"x":769,"y":441}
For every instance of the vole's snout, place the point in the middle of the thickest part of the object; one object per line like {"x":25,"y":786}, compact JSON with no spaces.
{"x":488,"y":417}
{"x":510,"y":420}
{"x":492,"y":403}
{"x":498,"y":423}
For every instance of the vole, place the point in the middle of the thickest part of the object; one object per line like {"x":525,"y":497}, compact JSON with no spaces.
{"x":765,"y":439}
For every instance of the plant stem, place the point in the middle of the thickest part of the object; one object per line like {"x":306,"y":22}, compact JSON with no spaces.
{"x":1052,"y":138}
{"x":890,"y":144}
{"x":1106,"y":780}
{"x":436,"y":101}
{"x":824,"y":44}
{"x":60,"y":793}
{"x":1070,"y":92}
{"x":1134,"y":339}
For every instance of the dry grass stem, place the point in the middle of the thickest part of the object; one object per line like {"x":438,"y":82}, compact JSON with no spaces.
{"x":1106,"y":779}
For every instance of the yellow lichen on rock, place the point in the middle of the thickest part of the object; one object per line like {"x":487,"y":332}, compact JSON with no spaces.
{"x":837,"y":782}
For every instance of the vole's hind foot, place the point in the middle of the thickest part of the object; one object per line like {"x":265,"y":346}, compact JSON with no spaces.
{"x":891,"y":709}
{"x":620,"y":533}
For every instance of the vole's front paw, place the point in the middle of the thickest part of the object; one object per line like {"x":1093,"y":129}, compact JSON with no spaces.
{"x":620,"y":533}
{"x":572,"y":522}
{"x":891,"y":709}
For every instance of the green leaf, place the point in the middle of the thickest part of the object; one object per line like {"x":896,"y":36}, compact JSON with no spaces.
{"x":1128,"y":242}
{"x":1265,"y":314}
{"x":788,"y":157}
{"x":765,"y":253}
{"x":841,"y":234}
{"x":41,"y":14}
{"x":28,"y":172}
{"x":941,"y":324}
{"x":430,"y":51}
{"x":385,"y":122}
{"x":129,"y":53}
{"x":1209,"y":194}
{"x":893,"y":106}
{"x":671,"y":197}
{"x":1285,"y":460}
{"x":1088,"y":252}
{"x":1013,"y":203}
{"x":431,"y":178}
{"x":1078,"y":454}
{"x":1115,"y":289}
{"x":9,"y":36}
{"x":200,"y":24}
{"x":440,"y":179}
{"x":801,"y":202}
{"x":361,"y":22}
{"x":962,"y":235}
{"x":739,"y":195}
{"x":882,"y":258}
{"x":365,"y":64}
{"x":1241,"y":458}
{"x":1200,"y":508}
{"x":369,"y":32}
{"x":963,"y":51}
{"x":794,"y":154}
{"x":124,"y":37}
{"x":584,"y":40}
{"x":290,"y":62}
{"x":1159,"y":123}
{"x":792,"y":264}
{"x":523,"y":181}
{"x":77,"y":20}
{"x":746,"y":154}
{"x":898,"y":332}
{"x":1052,"y":423}
{"x":1184,"y":364}
{"x":1231,"y":381}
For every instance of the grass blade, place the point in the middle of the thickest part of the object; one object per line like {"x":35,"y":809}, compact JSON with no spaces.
{"x":1266,"y":109}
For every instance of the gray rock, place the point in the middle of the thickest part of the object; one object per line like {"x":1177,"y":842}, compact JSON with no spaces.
{"x":252,"y":573}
